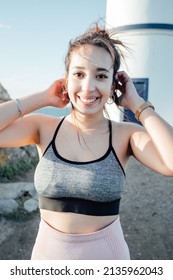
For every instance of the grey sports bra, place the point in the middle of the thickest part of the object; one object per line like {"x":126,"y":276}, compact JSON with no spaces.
{"x":91,"y":188}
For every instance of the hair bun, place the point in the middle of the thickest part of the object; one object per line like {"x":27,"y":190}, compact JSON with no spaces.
{"x":100,"y":31}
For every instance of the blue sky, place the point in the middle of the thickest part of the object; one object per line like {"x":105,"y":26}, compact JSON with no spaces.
{"x":34,"y":37}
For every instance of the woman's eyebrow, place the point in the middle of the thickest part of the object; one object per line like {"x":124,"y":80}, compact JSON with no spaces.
{"x":102,"y":69}
{"x":99,"y":69}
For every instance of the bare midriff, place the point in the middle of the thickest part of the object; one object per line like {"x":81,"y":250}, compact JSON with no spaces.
{"x":76,"y":223}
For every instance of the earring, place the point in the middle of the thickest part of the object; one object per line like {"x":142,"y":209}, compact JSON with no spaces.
{"x":112,"y":99}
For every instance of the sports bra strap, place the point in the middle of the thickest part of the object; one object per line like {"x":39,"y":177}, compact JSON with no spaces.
{"x":54,"y":136}
{"x":57,"y":129}
{"x":110,"y":133}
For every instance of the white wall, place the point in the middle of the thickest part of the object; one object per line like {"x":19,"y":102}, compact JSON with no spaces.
{"x":122,"y":12}
{"x":152,"y":50}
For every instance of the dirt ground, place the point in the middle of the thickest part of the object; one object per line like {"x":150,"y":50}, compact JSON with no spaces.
{"x":146,"y":218}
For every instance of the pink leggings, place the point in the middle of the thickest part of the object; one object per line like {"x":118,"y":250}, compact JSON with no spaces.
{"x":105,"y":244}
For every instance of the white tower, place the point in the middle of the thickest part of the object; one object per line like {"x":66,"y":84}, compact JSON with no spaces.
{"x":147,"y":28}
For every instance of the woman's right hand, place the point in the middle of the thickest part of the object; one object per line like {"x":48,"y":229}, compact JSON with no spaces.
{"x":57,"y":95}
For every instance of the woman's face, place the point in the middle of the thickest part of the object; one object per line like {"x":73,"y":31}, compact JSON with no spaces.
{"x":90,"y":79}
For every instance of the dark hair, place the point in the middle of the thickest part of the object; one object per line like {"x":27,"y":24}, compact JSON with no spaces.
{"x":99,"y":37}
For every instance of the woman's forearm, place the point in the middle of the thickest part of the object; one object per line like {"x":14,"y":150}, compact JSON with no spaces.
{"x":12,"y":110}
{"x":53,"y":96}
{"x":161,"y":134}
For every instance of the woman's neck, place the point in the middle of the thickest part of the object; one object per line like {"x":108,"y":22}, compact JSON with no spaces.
{"x":88,"y":122}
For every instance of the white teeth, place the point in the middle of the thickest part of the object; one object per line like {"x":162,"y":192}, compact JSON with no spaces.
{"x":87,"y":100}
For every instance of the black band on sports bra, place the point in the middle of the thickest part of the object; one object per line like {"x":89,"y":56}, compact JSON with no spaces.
{"x":80,"y":206}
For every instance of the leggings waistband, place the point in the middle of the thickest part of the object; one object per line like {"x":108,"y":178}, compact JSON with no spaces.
{"x":75,"y":237}
{"x":107,"y":243}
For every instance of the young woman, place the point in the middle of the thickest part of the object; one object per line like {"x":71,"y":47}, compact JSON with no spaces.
{"x":80,"y":177}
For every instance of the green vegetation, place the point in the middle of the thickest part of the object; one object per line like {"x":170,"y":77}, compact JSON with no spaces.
{"x":11,"y":170}
{"x":20,"y":215}
{"x":15,"y":162}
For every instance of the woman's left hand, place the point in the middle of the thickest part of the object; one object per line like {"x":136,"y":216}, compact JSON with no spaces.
{"x":129,"y":97}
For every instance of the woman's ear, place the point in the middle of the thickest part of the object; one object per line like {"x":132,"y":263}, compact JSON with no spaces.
{"x":65,"y":80}
{"x":65,"y":93}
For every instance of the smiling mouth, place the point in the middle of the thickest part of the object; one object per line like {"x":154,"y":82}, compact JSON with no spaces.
{"x":89,"y":100}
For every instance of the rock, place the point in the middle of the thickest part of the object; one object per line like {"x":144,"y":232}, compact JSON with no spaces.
{"x":12,"y":196}
{"x":4,"y":96}
{"x":16,"y":190}
{"x":31,"y":205}
{"x":8,"y":206}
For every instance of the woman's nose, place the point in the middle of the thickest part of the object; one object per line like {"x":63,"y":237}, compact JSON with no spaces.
{"x":88,"y":84}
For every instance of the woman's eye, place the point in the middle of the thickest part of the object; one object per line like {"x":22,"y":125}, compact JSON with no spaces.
{"x":78,"y":75}
{"x":102,"y":76}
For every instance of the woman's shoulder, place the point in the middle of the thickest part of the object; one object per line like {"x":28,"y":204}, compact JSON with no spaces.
{"x":47,"y":127}
{"x":126,"y":125}
{"x":47,"y":123}
{"x":43,"y":119}
{"x":126,"y":129}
